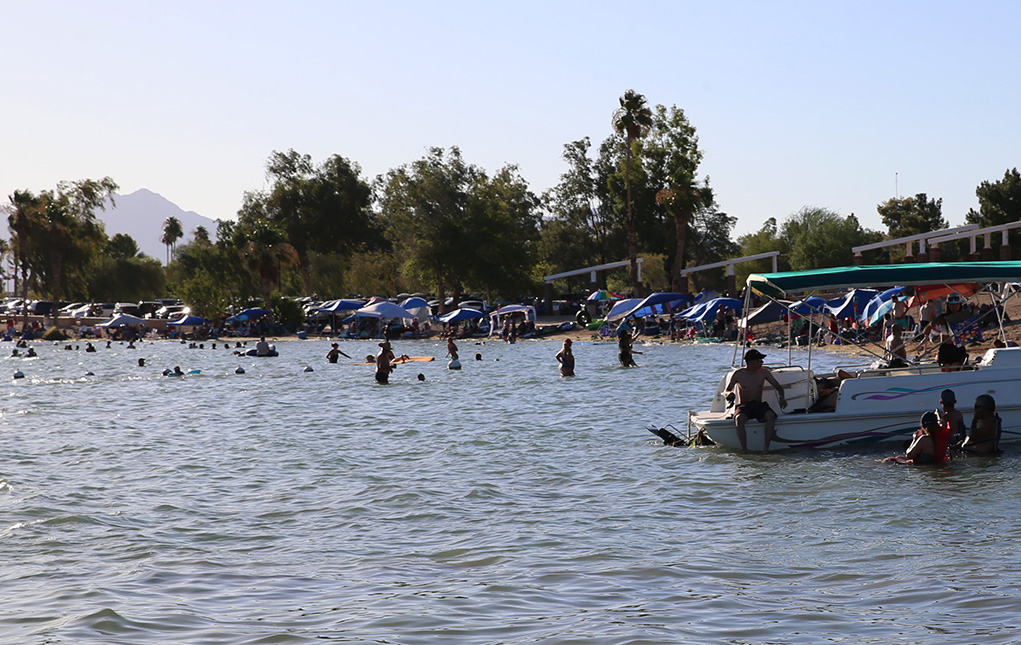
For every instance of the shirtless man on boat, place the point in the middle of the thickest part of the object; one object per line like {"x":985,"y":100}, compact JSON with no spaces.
{"x":749,"y":382}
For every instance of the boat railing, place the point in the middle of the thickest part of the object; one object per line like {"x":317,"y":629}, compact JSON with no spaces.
{"x":868,"y":371}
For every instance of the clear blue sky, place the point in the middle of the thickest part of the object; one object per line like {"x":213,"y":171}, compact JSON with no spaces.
{"x":826,"y":104}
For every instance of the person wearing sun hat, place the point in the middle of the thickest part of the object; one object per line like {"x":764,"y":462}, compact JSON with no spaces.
{"x":748,"y":383}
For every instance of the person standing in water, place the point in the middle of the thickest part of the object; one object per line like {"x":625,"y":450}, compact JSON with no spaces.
{"x":566,"y":359}
{"x":384,"y":363}
{"x":334,"y":354}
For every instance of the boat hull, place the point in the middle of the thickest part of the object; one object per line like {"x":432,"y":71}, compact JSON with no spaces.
{"x":876,"y":406}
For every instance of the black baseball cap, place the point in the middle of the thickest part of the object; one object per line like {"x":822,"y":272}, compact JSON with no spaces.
{"x":753,"y":355}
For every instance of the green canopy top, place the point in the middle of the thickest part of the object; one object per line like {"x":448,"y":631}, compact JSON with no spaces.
{"x":884,"y":275}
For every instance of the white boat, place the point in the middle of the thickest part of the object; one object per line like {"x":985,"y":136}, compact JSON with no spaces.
{"x":869,"y":404}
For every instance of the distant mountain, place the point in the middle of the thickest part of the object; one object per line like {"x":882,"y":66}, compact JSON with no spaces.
{"x":141,"y":215}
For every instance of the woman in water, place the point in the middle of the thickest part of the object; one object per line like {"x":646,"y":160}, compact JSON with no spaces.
{"x":566,"y":359}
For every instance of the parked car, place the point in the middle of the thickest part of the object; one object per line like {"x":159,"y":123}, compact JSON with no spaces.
{"x":147,"y":308}
{"x":172,"y":311}
{"x":128,"y":308}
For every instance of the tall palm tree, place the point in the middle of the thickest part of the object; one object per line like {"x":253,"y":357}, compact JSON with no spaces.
{"x":172,"y":231}
{"x":681,"y":201}
{"x":632,"y":119}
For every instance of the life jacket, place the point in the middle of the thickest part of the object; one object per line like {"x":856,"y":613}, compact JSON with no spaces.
{"x":942,"y":443}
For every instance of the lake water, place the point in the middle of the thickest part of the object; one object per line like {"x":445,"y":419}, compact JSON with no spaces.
{"x":498,"y":504}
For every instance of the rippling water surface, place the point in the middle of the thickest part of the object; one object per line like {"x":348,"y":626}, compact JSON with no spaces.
{"x":499,"y":504}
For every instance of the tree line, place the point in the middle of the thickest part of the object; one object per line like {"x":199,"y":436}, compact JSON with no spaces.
{"x":442,"y":225}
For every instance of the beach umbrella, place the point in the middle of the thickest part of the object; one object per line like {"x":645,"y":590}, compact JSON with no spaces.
{"x":121,"y":320}
{"x":188,"y":321}
{"x":883,"y":300}
{"x":622,"y":307}
{"x":418,"y":307}
{"x":458,"y":315}
{"x":602,"y":294}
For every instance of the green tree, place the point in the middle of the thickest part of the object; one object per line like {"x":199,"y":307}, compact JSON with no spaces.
{"x":632,"y":120}
{"x":23,"y":222}
{"x":765,"y":240}
{"x":582,"y":229}
{"x":671,"y":156}
{"x":906,"y":216}
{"x":321,"y":208}
{"x":210,"y":277}
{"x":122,"y":246}
{"x":999,"y":202}
{"x":819,"y":238}
{"x":60,"y":236}
{"x":502,"y":229}
{"x":709,"y":234}
{"x":263,"y":250}
{"x":172,"y":231}
{"x":423,"y":206}
{"x":131,"y":278}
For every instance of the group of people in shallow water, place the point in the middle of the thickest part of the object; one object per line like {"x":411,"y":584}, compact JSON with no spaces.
{"x":625,"y":351}
{"x":942,"y":431}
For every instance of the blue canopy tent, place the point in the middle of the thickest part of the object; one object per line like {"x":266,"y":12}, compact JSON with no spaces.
{"x":248,"y":314}
{"x":338,"y":306}
{"x":458,"y":315}
{"x":706,"y":310}
{"x":655,"y":304}
{"x":808,"y":306}
{"x":705,"y":296}
{"x":852,"y":304}
{"x":772,"y":311}
{"x":187,"y":321}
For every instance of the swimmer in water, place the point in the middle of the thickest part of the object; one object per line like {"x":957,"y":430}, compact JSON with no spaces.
{"x":334,"y":354}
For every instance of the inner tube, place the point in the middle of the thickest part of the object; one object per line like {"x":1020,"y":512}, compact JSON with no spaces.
{"x":255,"y":352}
{"x":454,"y":364}
{"x":583,"y":317}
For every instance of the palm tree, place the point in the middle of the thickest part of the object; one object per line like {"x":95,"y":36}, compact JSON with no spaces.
{"x":172,"y":231}
{"x":632,"y":119}
{"x":681,"y":201}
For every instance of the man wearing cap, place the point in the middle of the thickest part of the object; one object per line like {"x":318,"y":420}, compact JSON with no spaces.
{"x":749,"y":382}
